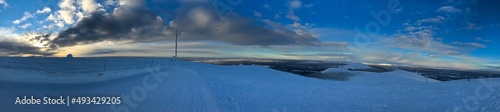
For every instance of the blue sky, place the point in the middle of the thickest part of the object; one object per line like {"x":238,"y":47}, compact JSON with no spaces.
{"x":459,"y":34}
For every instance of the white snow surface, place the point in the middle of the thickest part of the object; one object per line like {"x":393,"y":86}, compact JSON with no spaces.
{"x":356,"y":66}
{"x":348,"y":66}
{"x":159,"y":85}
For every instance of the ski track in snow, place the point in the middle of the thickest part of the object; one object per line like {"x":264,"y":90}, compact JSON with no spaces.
{"x":191,"y":96}
{"x":188,"y":86}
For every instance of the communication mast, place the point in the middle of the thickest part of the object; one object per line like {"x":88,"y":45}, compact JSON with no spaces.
{"x":175,"y":56}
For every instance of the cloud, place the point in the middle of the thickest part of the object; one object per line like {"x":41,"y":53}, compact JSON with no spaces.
{"x":493,"y":67}
{"x":292,"y":6}
{"x":56,"y":21}
{"x":437,"y":19}
{"x":267,"y":6}
{"x":292,"y":16}
{"x":449,"y":9}
{"x":418,"y":59}
{"x":105,"y":51}
{"x":71,"y":10}
{"x":12,"y":44}
{"x":335,"y":44}
{"x":7,"y":32}
{"x":51,"y":18}
{"x":297,"y":25}
{"x":481,"y":39}
{"x":160,"y":49}
{"x":5,"y":4}
{"x":40,"y":37}
{"x":133,"y":3}
{"x":189,"y":49}
{"x":59,"y":24}
{"x":125,"y":23}
{"x":234,"y":29}
{"x":25,"y":25}
{"x":89,"y":6}
{"x":423,"y":44}
{"x":257,"y":14}
{"x":469,"y":45}
{"x":67,"y":11}
{"x":309,"y":5}
{"x":12,"y":48}
{"x":418,"y":38}
{"x":277,"y":16}
{"x":110,"y":2}
{"x":295,"y":4}
{"x":417,"y":45}
{"x":472,"y":26}
{"x":200,"y":17}
{"x":16,"y":22}
{"x":44,"y":10}
{"x":132,"y":23}
{"x":26,"y":16}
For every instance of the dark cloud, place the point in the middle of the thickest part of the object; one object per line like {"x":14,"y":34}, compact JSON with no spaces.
{"x":493,"y":67}
{"x":23,"y":44}
{"x":8,"y":48}
{"x":203,"y":23}
{"x":102,"y":51}
{"x":319,"y":54}
{"x":114,"y":51}
{"x":41,"y":37}
{"x":125,"y":23}
{"x":196,"y":22}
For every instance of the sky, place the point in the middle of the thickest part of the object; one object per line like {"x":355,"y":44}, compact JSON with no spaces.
{"x":455,"y":34}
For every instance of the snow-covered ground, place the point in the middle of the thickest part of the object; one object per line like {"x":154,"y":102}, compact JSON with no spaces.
{"x":346,"y":67}
{"x":155,"y":85}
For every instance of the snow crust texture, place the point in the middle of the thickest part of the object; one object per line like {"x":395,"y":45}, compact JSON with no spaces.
{"x":159,"y":85}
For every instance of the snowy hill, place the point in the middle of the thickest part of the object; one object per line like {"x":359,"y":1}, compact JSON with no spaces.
{"x":346,"y":67}
{"x":154,"y":85}
{"x":356,"y":66}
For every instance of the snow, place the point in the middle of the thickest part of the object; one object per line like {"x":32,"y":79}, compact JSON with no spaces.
{"x":346,"y":67}
{"x":74,"y":70}
{"x":356,"y":66}
{"x":154,"y":85}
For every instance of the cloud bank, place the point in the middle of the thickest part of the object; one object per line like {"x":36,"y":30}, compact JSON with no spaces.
{"x":132,"y":22}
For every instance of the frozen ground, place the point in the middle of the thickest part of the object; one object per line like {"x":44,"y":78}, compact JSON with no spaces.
{"x":156,"y":85}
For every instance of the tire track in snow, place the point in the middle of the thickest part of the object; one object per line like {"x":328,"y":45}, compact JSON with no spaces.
{"x":187,"y":92}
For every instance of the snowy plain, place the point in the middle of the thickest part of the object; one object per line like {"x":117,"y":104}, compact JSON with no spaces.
{"x":158,"y":85}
